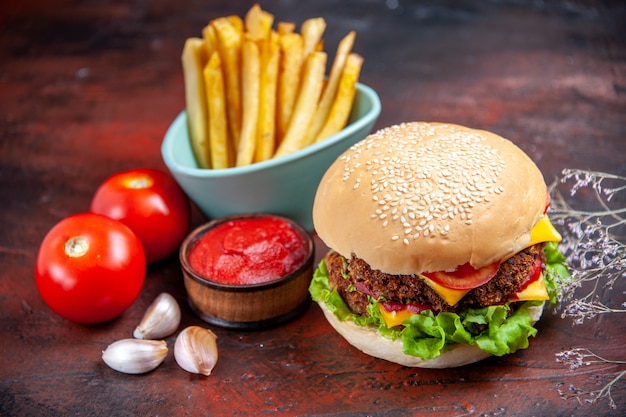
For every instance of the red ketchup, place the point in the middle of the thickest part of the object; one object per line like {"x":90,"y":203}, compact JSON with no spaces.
{"x":249,"y":251}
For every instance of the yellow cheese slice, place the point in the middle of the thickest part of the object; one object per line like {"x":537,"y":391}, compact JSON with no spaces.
{"x":534,"y":291}
{"x":543,"y":231}
{"x":449,"y":295}
{"x":393,"y":318}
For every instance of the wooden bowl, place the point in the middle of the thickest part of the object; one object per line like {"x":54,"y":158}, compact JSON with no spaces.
{"x":247,"y":306}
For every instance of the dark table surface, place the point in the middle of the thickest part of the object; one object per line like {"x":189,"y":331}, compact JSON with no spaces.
{"x":88,"y":88}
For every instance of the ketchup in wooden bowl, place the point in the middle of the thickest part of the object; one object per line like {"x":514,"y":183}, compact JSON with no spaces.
{"x":248,"y":271}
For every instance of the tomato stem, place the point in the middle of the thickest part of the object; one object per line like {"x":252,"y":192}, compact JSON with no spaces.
{"x":141,"y":182}
{"x":76,"y":246}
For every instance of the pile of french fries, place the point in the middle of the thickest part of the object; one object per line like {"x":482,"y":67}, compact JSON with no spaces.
{"x":255,"y":92}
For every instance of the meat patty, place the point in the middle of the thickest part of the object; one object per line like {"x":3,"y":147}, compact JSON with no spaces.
{"x":355,"y":281}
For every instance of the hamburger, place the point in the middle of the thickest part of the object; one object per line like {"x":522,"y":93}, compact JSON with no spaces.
{"x":439,"y":240}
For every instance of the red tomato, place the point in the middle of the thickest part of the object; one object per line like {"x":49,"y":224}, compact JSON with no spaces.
{"x":465,"y":277}
{"x":90,"y":268}
{"x":548,"y":201}
{"x":151,"y":203}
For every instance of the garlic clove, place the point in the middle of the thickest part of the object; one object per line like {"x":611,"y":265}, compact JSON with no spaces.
{"x":134,"y":356}
{"x":160,"y":320}
{"x":195,"y":350}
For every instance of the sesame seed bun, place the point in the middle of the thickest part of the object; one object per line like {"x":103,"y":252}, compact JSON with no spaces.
{"x":425,"y":197}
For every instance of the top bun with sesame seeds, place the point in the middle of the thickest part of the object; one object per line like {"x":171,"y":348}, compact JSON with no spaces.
{"x":425,"y":197}
{"x":437,"y":235}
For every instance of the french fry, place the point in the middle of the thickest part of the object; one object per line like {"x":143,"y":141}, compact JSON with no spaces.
{"x":330,"y":90}
{"x":266,"y":130}
{"x":340,"y":111}
{"x":253,"y":93}
{"x":229,"y":46}
{"x":193,"y":59}
{"x":285,"y":27}
{"x":292,"y":58}
{"x":258,"y":23}
{"x":306,"y":104}
{"x":210,"y":39}
{"x":221,"y":155}
{"x":312,"y":32}
{"x":237,"y":23}
{"x":250,"y":83}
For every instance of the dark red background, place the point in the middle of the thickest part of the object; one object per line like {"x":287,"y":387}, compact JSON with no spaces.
{"x":88,"y":88}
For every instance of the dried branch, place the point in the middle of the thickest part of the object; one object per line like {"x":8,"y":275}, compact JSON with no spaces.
{"x":577,"y":357}
{"x":595,"y":251}
{"x":593,"y":243}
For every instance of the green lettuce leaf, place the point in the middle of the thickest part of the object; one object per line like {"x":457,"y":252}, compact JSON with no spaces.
{"x":426,"y":335}
{"x":556,"y":270}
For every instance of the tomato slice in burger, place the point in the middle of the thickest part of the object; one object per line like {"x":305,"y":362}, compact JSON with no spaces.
{"x":465,"y":277}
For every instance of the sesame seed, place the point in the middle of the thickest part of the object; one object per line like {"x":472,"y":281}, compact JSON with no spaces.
{"x":424,"y":178}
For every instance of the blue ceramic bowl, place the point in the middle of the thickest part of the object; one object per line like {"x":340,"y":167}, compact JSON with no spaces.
{"x":283,"y":186}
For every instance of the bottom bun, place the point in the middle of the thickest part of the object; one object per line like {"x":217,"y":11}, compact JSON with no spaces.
{"x":370,"y":342}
